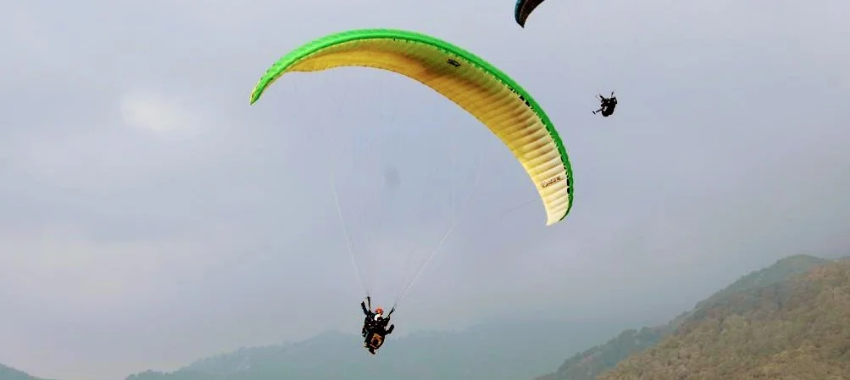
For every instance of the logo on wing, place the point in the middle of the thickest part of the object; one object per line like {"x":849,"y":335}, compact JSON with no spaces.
{"x":551,"y":181}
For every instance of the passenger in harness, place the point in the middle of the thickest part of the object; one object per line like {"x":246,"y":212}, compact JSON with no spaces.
{"x":375,"y":326}
{"x":607,"y":105}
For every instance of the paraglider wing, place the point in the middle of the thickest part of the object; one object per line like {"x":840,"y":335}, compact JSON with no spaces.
{"x":524,"y":8}
{"x":467,"y":80}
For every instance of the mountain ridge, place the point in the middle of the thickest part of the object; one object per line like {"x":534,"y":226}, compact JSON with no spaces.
{"x":589,"y":364}
{"x":9,"y":373}
{"x":797,"y":329}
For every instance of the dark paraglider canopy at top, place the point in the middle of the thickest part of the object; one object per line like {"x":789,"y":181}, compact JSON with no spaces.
{"x":523,"y":9}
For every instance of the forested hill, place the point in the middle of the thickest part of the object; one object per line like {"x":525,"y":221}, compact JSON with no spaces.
{"x":781,"y":271}
{"x":9,"y":373}
{"x":589,"y":364}
{"x":798,"y":329}
{"x":504,"y":351}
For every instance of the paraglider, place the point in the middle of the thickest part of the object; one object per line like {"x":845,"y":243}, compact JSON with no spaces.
{"x":523,"y":9}
{"x":607,"y":105}
{"x":475,"y":85}
{"x":375,"y":326}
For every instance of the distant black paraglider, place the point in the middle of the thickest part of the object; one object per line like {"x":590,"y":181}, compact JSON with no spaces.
{"x":523,"y":9}
{"x":607,"y":105}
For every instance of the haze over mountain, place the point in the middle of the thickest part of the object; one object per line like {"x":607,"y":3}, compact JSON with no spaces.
{"x":504,"y":351}
{"x":496,"y":351}
{"x":519,"y":350}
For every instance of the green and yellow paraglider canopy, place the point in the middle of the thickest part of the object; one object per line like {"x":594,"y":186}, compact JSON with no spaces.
{"x":472,"y":83}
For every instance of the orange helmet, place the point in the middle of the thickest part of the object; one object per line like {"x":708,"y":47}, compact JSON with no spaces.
{"x":379,"y":311}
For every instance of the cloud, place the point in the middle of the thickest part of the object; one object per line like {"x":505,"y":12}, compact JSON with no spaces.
{"x":23,"y":31}
{"x":159,"y":114}
{"x":63,"y":271}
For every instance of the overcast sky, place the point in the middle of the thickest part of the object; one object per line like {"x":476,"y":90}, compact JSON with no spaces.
{"x":150,"y":217}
